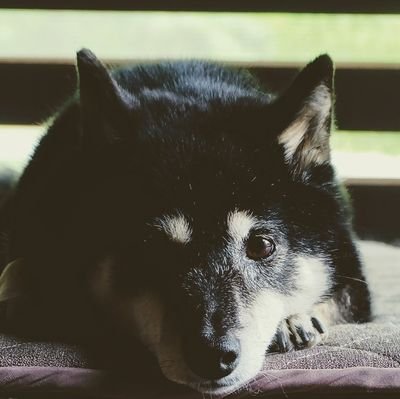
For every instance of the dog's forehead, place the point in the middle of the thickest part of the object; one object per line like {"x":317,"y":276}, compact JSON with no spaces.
{"x":207,"y":188}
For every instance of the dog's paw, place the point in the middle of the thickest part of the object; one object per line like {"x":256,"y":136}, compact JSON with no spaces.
{"x":298,"y":332}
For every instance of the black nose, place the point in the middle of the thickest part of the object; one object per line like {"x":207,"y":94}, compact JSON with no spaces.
{"x":212,"y":358}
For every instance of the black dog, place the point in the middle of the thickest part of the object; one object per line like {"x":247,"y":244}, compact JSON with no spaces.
{"x":194,"y":210}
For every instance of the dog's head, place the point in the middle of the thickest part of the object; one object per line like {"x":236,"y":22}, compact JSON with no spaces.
{"x":212,"y":207}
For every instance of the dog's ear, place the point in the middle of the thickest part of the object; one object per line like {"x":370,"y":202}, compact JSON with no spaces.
{"x":104,"y":104}
{"x":306,"y":117}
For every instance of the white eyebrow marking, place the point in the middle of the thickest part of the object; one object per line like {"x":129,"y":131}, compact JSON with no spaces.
{"x":239,"y":224}
{"x":176,"y":227}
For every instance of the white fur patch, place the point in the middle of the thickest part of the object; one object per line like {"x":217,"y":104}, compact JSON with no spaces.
{"x":176,"y":227}
{"x":312,"y":283}
{"x":239,"y":225}
{"x":293,"y":136}
{"x":259,"y":325}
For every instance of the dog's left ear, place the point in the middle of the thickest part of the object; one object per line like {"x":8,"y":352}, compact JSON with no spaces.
{"x":104,"y":105}
{"x":306,"y":111}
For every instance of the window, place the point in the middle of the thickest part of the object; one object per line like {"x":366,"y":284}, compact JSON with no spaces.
{"x":37,"y":50}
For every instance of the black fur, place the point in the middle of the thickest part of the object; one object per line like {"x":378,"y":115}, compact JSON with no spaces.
{"x":189,"y":136}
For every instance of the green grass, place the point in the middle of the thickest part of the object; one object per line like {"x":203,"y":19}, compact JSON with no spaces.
{"x":387,"y":143}
{"x":246,"y":37}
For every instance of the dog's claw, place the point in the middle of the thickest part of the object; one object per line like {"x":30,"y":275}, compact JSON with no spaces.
{"x":299,"y":331}
{"x":303,"y":334}
{"x":283,"y":343}
{"x":317,"y":325}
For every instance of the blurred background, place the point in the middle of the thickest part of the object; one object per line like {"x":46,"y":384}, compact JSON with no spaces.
{"x":37,"y":54}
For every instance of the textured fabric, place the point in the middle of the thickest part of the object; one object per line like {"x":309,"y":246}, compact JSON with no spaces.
{"x":382,"y":267}
{"x":19,"y":352}
{"x":100,"y":384}
{"x":355,"y":358}
{"x":364,"y":345}
{"x":86,"y":382}
{"x":359,"y":379}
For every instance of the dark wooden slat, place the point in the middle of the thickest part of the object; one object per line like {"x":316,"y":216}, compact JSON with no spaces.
{"x":366,"y":99}
{"x":32,"y":93}
{"x":375,"y":210}
{"x":313,"y":6}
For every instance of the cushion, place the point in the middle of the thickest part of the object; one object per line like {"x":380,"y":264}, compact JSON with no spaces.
{"x":355,"y":359}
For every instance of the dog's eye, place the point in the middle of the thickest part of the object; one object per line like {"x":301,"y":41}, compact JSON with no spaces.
{"x":259,"y":247}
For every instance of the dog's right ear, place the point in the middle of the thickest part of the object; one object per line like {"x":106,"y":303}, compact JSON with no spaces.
{"x":104,"y":104}
{"x":306,"y":108}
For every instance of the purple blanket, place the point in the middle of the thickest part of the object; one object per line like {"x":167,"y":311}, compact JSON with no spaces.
{"x":355,"y":358}
{"x":101,"y":384}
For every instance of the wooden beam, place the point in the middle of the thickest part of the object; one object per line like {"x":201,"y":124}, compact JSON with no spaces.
{"x":366,"y":99}
{"x":306,"y":6}
{"x":375,"y":210}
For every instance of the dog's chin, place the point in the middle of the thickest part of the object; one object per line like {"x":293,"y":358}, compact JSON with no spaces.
{"x":217,"y":388}
{"x":223,"y":386}
{"x":178,"y":373}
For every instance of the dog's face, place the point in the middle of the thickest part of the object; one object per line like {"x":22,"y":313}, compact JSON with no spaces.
{"x":221,"y":220}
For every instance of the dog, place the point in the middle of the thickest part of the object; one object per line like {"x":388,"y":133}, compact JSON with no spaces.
{"x":196,"y":211}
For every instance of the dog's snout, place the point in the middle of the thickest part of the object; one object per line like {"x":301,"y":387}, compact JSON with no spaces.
{"x":212,"y":358}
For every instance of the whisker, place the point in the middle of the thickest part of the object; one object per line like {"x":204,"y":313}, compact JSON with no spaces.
{"x":352,"y":278}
